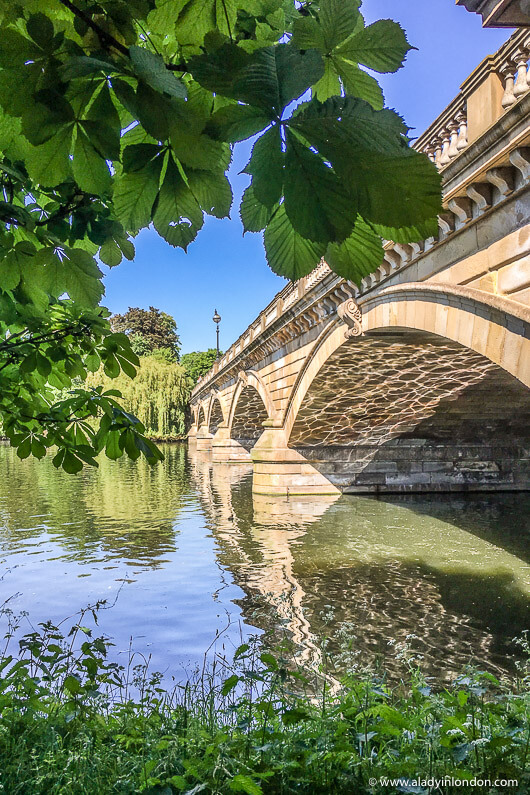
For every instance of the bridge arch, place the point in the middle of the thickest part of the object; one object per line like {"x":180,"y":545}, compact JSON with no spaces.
{"x":415,"y":400}
{"x":489,"y":325}
{"x":201,"y":415}
{"x":251,"y":406}
{"x":216,"y":413}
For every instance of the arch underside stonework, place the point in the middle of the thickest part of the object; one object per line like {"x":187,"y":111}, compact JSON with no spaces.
{"x":411,"y":411}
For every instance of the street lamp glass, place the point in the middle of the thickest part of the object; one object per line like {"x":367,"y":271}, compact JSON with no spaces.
{"x":216,"y":318}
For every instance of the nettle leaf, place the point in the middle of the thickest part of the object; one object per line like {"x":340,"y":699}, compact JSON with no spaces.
{"x":357,"y":256}
{"x":381,"y":46}
{"x":135,"y":193}
{"x":178,"y":216}
{"x":254,"y":215}
{"x":266,"y":166}
{"x":152,"y":69}
{"x":288,"y":253}
{"x":316,"y":202}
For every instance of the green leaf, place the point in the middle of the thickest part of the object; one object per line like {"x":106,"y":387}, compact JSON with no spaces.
{"x":152,"y":69}
{"x":90,"y":170}
{"x":82,"y":277}
{"x":178,"y":216}
{"x":329,"y":84}
{"x":237,"y":122}
{"x":288,"y":253}
{"x":381,"y":46}
{"x":49,"y":164}
{"x":103,"y":127}
{"x":211,"y":190}
{"x":229,"y":684}
{"x":199,"y":151}
{"x":202,"y":16}
{"x":359,"y":83}
{"x":254,"y":215}
{"x":242,"y":783}
{"x":135,"y":193}
{"x":72,"y":464}
{"x":339,"y":19}
{"x":269,"y":79}
{"x":24,"y":449}
{"x":127,"y":247}
{"x":316,"y":202}
{"x":112,"y":446}
{"x":408,"y":234}
{"x":110,"y":253}
{"x":40,"y":28}
{"x":266,"y":166}
{"x":13,"y":265}
{"x":360,"y":254}
{"x":72,"y":685}
{"x":82,"y":65}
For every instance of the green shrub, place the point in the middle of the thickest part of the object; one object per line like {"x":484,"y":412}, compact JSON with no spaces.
{"x":73,"y":722}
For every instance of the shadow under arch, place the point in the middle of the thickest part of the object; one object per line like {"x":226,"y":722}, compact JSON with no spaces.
{"x":251,"y":406}
{"x":201,"y":416}
{"x":408,"y":408}
{"x":215,"y":414}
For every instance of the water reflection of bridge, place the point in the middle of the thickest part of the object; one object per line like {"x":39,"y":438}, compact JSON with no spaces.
{"x":384,"y":569}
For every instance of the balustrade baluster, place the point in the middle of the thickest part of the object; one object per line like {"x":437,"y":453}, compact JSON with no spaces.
{"x":521,"y":83}
{"x":507,"y":72}
{"x":453,"y":140}
{"x":461,"y":143}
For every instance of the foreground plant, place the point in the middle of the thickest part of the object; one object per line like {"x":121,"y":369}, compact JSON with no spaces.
{"x":118,"y":114}
{"x":71,"y":721}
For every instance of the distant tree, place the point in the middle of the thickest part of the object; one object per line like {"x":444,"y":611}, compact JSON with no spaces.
{"x":148,"y":330}
{"x":198,"y":363}
{"x":158,"y":395}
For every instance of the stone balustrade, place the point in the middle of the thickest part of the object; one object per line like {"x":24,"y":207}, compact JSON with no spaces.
{"x":498,"y":83}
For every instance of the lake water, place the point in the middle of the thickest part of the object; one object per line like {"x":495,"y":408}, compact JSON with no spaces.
{"x":183,"y":551}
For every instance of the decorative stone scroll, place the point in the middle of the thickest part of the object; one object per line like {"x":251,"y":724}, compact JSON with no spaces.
{"x":350,"y":314}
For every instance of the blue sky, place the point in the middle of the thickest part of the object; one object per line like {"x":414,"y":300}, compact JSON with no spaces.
{"x":224,"y":270}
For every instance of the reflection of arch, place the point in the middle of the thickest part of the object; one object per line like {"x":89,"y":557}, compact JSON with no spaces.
{"x":251,"y":407}
{"x":215,"y":413}
{"x":201,"y":417}
{"x":494,"y":327}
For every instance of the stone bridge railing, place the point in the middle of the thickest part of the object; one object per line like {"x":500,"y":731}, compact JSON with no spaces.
{"x":480,"y":143}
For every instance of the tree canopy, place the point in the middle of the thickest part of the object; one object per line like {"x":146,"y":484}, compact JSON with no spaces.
{"x":198,"y":363}
{"x":118,"y":114}
{"x":149,"y":330}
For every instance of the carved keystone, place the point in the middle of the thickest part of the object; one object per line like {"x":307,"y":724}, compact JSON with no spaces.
{"x":350,"y":314}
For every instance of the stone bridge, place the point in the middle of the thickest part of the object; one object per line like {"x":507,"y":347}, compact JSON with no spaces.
{"x":418,"y":378}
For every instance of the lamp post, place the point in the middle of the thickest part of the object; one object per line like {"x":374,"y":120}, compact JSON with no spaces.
{"x":217,"y":319}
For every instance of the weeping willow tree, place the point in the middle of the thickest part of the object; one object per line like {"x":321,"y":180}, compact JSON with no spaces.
{"x":158,"y":395}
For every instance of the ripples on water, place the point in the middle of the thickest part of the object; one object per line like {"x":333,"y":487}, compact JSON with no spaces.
{"x":187,"y":549}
